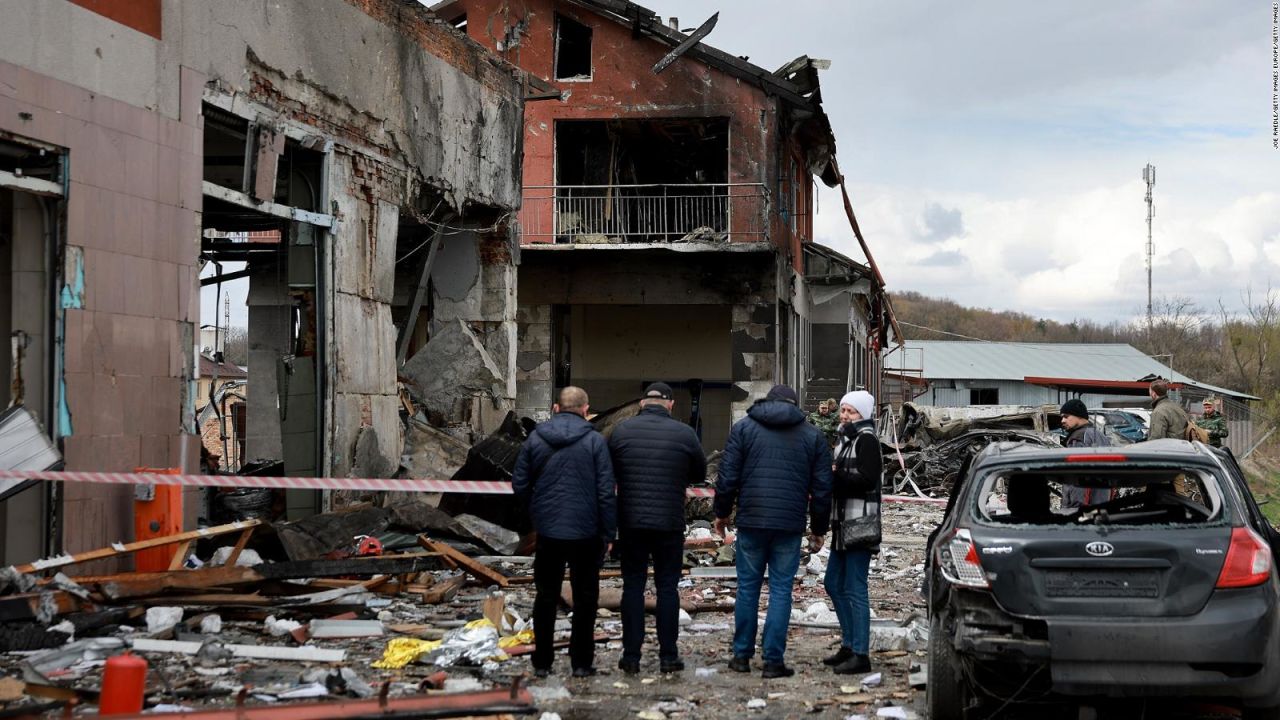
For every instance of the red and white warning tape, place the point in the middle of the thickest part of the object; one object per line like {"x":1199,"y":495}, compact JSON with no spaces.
{"x":475,"y":487}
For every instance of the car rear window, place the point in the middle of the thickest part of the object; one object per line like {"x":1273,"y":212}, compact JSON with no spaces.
{"x":1096,"y":496}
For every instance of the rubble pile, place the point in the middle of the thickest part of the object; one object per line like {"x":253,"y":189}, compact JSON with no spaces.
{"x":926,"y":448}
{"x":331,"y":610}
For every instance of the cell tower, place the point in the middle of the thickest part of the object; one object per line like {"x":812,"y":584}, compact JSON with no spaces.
{"x":1149,"y":176}
{"x":226,"y":320}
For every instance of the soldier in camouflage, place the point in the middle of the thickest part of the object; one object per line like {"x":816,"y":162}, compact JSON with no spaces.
{"x":1213,"y":423}
{"x":826,"y":419}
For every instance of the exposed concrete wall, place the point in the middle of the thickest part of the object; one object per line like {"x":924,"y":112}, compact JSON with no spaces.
{"x":742,"y":282}
{"x":410,"y":107}
{"x":379,"y":73}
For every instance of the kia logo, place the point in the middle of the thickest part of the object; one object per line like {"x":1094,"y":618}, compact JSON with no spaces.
{"x":1099,"y":548}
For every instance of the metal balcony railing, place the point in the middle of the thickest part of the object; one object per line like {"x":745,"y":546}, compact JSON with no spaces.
{"x":614,"y":214}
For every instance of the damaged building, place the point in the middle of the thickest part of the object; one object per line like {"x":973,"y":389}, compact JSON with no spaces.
{"x":356,"y":160}
{"x":666,"y":230}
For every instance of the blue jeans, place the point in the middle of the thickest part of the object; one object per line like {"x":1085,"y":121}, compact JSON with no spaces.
{"x":754,"y":551}
{"x":846,"y":583}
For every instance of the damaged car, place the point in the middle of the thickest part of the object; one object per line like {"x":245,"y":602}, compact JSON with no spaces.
{"x":1145,"y":571}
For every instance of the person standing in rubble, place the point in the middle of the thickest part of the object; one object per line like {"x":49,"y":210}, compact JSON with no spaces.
{"x":1213,"y":423}
{"x":855,"y":530}
{"x":775,"y":467}
{"x":1168,"y":419}
{"x":565,"y":476}
{"x":655,"y":457}
{"x":825,"y":419}
{"x":1081,"y":433}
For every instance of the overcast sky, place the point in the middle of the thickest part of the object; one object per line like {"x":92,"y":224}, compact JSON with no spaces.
{"x":995,"y":149}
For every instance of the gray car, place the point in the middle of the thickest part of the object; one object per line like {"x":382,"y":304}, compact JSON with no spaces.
{"x":1164,"y":586}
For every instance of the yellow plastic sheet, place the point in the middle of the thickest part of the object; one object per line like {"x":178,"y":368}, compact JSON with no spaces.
{"x":402,"y":651}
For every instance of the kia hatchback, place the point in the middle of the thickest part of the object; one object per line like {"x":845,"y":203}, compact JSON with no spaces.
{"x":1142,"y":571}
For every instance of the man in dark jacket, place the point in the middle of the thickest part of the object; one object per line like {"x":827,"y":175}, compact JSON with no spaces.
{"x":655,"y":457}
{"x":564,"y":475}
{"x":775,"y":467}
{"x":1081,"y":433}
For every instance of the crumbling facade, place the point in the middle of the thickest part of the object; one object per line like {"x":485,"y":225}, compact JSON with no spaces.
{"x":357,"y":160}
{"x":668,"y":199}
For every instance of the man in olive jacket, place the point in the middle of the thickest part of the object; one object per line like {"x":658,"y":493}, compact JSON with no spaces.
{"x":655,"y":457}
{"x":1168,"y":419}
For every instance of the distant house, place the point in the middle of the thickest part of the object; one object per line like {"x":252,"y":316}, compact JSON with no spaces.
{"x":224,"y":453}
{"x":222,"y":372}
{"x":961,"y":373}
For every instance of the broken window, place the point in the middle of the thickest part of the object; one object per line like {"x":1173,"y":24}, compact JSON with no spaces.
{"x":984,"y":396}
{"x":643,"y":181}
{"x":573,"y":50}
{"x":31,"y":201}
{"x":260,"y":407}
{"x":460,"y":22}
{"x":1101,"y":497}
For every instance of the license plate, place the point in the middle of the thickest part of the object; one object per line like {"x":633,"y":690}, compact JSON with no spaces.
{"x":1103,"y":583}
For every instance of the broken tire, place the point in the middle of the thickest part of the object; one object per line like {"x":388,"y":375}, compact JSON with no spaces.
{"x":947,"y":692}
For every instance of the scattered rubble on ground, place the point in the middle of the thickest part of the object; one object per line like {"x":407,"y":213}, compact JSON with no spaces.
{"x":324,"y":616}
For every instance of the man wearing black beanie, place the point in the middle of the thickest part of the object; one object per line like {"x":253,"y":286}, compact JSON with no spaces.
{"x":1081,"y":433}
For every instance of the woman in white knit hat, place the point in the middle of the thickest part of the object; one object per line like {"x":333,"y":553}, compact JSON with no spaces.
{"x":855,"y":529}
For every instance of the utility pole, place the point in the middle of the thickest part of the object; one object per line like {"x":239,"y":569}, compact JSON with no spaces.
{"x":1149,"y":176}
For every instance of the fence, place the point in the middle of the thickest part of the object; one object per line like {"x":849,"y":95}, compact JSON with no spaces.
{"x":608,"y":214}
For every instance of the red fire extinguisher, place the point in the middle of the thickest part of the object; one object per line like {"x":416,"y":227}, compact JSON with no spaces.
{"x":124,"y":685}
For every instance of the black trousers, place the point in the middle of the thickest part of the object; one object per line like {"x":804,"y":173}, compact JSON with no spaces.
{"x":583,"y":560}
{"x":666,"y":548}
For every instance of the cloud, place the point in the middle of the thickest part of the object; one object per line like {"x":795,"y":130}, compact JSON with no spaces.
{"x":946,"y":258}
{"x":941,"y":223}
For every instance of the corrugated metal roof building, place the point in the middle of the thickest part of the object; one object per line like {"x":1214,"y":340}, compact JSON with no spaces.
{"x":963,"y":373}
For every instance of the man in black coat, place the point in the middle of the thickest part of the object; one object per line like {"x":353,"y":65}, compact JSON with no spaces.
{"x":655,"y":457}
{"x":564,"y":475}
{"x":777,"y":469}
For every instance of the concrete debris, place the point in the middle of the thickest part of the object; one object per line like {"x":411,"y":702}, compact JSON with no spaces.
{"x":491,"y":535}
{"x":160,"y":619}
{"x":369,"y":462}
{"x":248,"y":557}
{"x":279,"y":628}
{"x":451,"y":368}
{"x":270,"y":626}
{"x":431,"y":453}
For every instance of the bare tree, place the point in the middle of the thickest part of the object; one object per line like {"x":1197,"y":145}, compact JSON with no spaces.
{"x":236,"y":346}
{"x":1252,"y":338}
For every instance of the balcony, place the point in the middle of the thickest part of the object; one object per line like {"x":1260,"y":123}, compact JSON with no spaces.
{"x":644,"y":214}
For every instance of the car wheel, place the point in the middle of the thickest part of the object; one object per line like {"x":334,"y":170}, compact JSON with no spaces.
{"x":947,"y":691}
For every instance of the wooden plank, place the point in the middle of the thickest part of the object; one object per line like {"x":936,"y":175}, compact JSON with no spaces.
{"x":239,"y":548}
{"x":703,"y":30}
{"x":59,"y":561}
{"x":180,"y":555}
{"x":133,"y":585}
{"x":478,"y":569}
{"x":25,"y":606}
{"x":386,"y":565}
{"x":444,"y":591}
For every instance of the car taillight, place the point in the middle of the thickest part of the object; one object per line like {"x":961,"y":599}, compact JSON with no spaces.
{"x":958,"y":560}
{"x":1248,"y":560}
